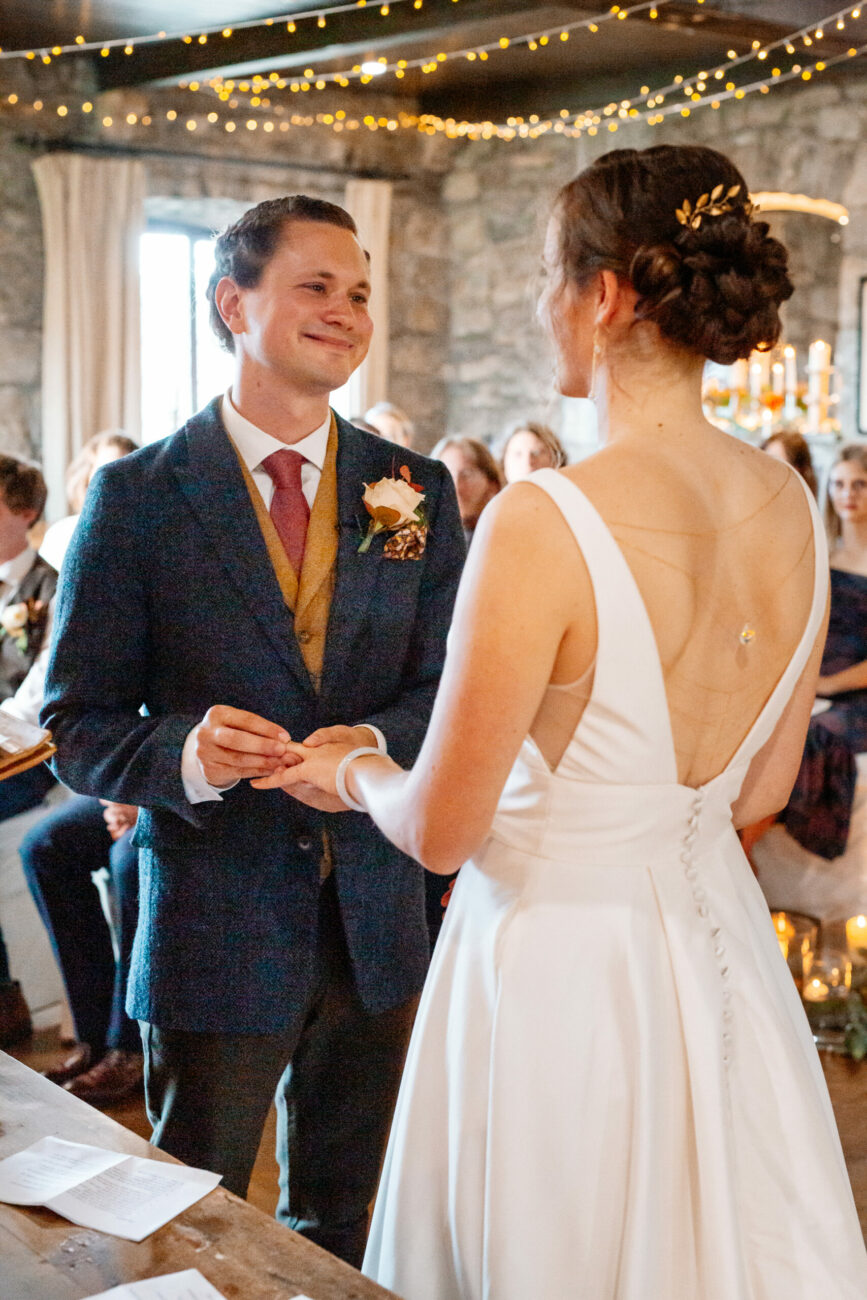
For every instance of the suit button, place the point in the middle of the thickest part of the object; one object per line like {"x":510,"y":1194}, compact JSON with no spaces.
{"x":305,"y":843}
{"x":303,"y":638}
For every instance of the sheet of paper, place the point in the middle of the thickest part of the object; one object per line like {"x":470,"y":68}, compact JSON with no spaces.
{"x":189,"y":1285}
{"x":49,"y":1168}
{"x":134,"y":1198}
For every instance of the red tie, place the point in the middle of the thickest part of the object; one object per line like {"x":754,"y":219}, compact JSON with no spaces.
{"x":289,"y":509}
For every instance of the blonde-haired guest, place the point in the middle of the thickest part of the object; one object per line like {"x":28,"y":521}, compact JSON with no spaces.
{"x":390,"y":422}
{"x":530,"y":446}
{"x":476,"y":476}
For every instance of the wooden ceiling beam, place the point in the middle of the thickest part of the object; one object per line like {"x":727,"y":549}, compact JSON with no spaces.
{"x":346,"y":37}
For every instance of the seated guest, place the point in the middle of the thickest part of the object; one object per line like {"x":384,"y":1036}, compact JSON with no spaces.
{"x":819,"y":809}
{"x":530,"y":446}
{"x":794,"y":449}
{"x":27,"y":586}
{"x":103,"y":447}
{"x":476,"y":476}
{"x":390,"y":422}
{"x":59,"y":856}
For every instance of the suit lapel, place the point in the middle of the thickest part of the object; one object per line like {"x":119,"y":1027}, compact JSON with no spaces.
{"x":212,"y":482}
{"x":357,"y":575}
{"x":320,"y":549}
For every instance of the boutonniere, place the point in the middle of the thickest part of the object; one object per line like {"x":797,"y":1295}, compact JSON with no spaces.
{"x":395,"y":506}
{"x":21,"y":620}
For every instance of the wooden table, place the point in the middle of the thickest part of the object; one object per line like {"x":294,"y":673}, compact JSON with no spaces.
{"x":241,"y":1251}
{"x":847,"y":1084}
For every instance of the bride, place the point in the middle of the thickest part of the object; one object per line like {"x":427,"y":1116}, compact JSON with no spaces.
{"x":611,"y":1091}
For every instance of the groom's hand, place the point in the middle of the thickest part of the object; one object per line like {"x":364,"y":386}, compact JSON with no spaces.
{"x":232,"y":743}
{"x":311,"y":795}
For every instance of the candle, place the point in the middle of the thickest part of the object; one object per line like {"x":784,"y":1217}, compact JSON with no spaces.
{"x":785,"y":931}
{"x":739,"y":375}
{"x":790,"y":365}
{"x":777,"y":378}
{"x":856,"y":937}
{"x":819,"y":370}
{"x":816,"y":990}
{"x":755,"y":379}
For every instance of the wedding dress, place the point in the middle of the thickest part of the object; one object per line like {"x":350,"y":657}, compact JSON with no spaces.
{"x":611,"y":1091}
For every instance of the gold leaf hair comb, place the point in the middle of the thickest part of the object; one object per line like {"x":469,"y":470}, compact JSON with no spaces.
{"x":710,"y":205}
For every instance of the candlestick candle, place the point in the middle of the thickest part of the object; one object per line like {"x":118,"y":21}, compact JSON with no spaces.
{"x":755,"y":379}
{"x":856,"y":937}
{"x":777,"y":378}
{"x":790,"y":366}
{"x":785,"y":931}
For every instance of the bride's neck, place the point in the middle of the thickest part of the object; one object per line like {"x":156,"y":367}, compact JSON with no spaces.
{"x":634,"y":394}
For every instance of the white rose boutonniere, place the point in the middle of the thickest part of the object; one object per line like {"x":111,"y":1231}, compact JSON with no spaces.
{"x":14,"y":617}
{"x":395,"y":506}
{"x":19,"y":621}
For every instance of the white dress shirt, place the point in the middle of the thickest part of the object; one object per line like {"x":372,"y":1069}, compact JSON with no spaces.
{"x":27,"y":700}
{"x":254,"y":446}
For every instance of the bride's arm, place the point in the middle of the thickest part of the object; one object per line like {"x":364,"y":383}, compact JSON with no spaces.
{"x":523,"y":586}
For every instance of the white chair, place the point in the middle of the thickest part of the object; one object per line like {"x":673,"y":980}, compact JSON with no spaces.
{"x":796,"y":880}
{"x":31,"y":959}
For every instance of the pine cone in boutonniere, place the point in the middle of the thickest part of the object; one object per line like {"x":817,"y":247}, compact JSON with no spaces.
{"x":22,"y":621}
{"x":395,"y":506}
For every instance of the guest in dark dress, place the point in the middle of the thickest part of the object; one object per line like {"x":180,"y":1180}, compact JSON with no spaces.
{"x":819,"y":809}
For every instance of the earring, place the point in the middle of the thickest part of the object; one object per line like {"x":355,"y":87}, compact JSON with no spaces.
{"x":594,"y":365}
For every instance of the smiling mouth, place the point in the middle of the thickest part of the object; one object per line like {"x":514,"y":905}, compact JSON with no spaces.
{"x":344,"y":344}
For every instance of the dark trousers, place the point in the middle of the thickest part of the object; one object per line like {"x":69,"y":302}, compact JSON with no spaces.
{"x":208,"y":1096}
{"x":19,"y":794}
{"x":58,"y":856}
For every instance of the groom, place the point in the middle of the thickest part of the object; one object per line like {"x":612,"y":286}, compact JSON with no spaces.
{"x":214,"y":604}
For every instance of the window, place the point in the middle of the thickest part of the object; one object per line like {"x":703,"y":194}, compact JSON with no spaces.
{"x":183,"y":365}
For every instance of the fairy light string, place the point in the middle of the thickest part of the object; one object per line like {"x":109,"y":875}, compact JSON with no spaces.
{"x":653,"y":109}
{"x":428,"y":63}
{"x":129,"y":43}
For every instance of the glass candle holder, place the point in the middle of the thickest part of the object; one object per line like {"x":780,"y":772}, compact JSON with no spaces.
{"x":797,"y":935}
{"x":825,"y":994}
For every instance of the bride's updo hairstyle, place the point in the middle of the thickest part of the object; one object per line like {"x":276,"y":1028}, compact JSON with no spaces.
{"x":713,"y":286}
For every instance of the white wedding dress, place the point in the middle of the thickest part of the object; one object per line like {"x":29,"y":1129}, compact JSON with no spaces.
{"x":611,"y":1091}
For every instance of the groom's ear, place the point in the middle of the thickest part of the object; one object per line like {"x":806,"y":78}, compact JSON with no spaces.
{"x":229,"y":301}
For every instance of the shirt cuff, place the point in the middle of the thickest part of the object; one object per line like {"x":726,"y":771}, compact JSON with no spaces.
{"x":379,"y":739}
{"x":196,"y":787}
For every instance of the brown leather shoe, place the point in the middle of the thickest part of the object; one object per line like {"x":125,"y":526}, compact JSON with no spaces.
{"x":118,"y":1075}
{"x":75,"y":1063}
{"x":15,"y":1022}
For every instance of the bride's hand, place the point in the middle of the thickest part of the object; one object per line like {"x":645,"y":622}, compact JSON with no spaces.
{"x":312,"y":778}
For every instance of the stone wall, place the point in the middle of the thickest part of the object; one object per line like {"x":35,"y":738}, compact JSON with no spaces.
{"x":807,"y":139}
{"x":205,"y":177}
{"x":467,"y":228}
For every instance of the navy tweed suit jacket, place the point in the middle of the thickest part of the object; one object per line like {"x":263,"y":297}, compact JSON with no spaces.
{"x":169,"y":604}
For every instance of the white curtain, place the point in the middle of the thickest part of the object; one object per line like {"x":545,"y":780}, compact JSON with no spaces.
{"x":92,"y":217}
{"x":369,"y":202}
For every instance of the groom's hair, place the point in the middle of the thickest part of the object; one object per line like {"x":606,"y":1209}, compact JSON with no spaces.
{"x":22,"y":486}
{"x":245,"y":248}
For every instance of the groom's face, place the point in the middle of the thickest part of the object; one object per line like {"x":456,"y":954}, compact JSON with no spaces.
{"x":306,"y":322}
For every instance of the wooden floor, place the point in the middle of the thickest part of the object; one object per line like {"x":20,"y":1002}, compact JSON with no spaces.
{"x":847,"y":1083}
{"x":43,"y":1050}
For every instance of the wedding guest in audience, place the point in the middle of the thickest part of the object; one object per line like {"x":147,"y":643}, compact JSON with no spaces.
{"x":794,"y":449}
{"x":528,"y":447}
{"x":390,"y":422}
{"x":100,"y":450}
{"x":27,"y":586}
{"x":476,"y":476}
{"x":59,"y":856}
{"x":819,"y":810}
{"x":360,"y":423}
